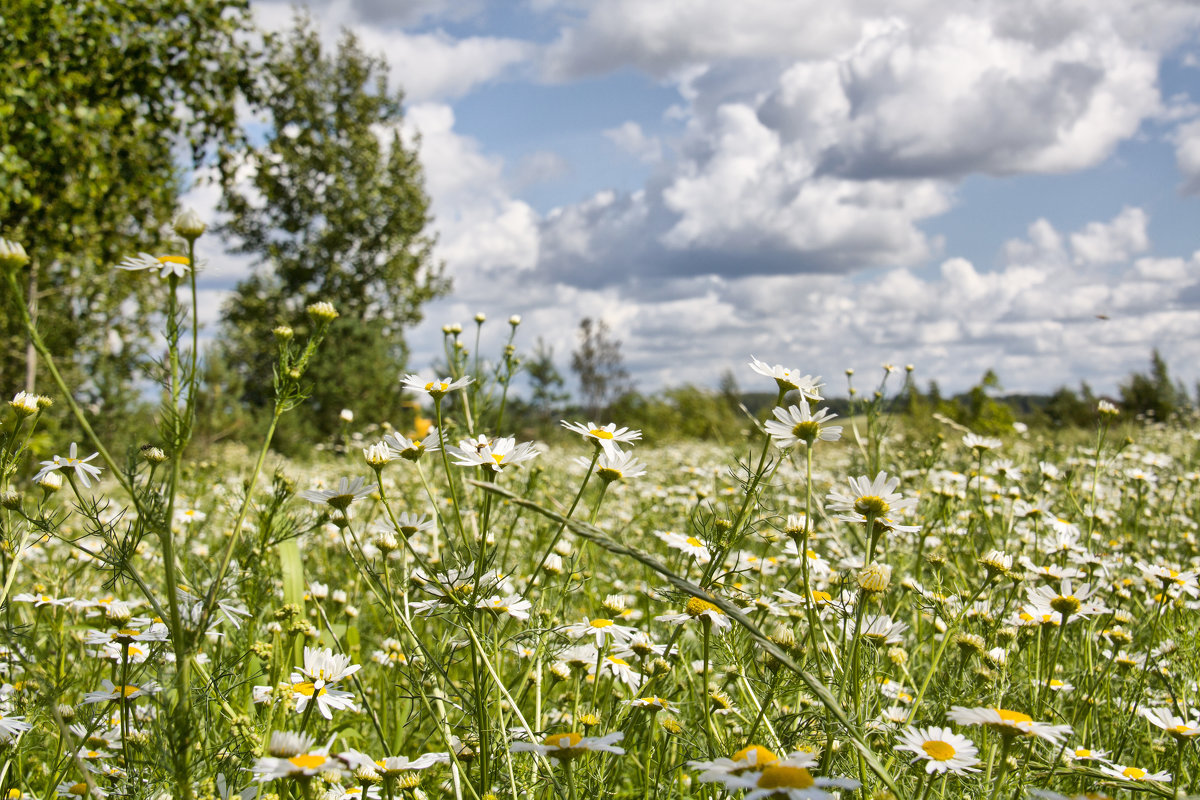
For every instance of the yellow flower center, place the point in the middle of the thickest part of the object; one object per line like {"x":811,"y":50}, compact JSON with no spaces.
{"x":599,"y":434}
{"x":1134,"y":773}
{"x":777,"y":777}
{"x":755,"y":754}
{"x":308,"y":689}
{"x":939,"y":751}
{"x":695,"y":607}
{"x":821,"y":598}
{"x":78,"y":789}
{"x":173,"y":260}
{"x":806,"y":431}
{"x":562,"y":740}
{"x":498,"y":457}
{"x":601,"y":623}
{"x":694,"y":542}
{"x":1083,"y":752}
{"x":126,"y":691}
{"x":618,"y":661}
{"x":1012,"y":716}
{"x":309,"y":760}
{"x":1065,"y":604}
{"x":871,"y":505}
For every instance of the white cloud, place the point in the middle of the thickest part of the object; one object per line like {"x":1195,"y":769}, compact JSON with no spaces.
{"x":1118,"y":240}
{"x":436,"y":66}
{"x":629,"y":137}
{"x":1187,"y":155}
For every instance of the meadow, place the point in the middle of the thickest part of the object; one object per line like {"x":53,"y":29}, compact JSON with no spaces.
{"x":827,"y":608}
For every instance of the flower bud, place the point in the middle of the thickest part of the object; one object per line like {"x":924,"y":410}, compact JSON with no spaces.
{"x":24,"y":404}
{"x":322,"y":312}
{"x":152,"y":454}
{"x":284,"y":333}
{"x":514,"y":320}
{"x":189,"y":225}
{"x":12,"y":255}
{"x":51,"y":482}
{"x":480,"y":318}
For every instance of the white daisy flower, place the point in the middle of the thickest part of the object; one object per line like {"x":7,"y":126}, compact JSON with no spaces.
{"x":564,"y":746}
{"x":605,"y":437}
{"x":943,"y":750}
{"x":168,"y":265}
{"x":797,"y":425}
{"x":688,"y":544}
{"x":1008,"y":723}
{"x":82,"y":469}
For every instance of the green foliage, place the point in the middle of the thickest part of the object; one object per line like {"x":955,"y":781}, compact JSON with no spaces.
{"x":599,"y":365}
{"x":337,"y":214}
{"x":1154,"y":395}
{"x":96,"y":96}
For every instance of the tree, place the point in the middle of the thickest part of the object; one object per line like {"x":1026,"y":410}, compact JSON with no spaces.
{"x":335,"y":211}
{"x":599,"y":366}
{"x":97,"y":96}
{"x":1154,"y":394}
{"x":545,"y":381}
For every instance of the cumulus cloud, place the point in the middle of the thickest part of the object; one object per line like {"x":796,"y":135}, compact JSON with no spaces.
{"x":629,"y":137}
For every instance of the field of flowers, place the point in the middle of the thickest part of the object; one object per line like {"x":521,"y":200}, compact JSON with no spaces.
{"x":832,"y":608}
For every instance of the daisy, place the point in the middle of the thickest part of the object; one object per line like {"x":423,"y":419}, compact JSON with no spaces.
{"x":1069,"y":601}
{"x":24,"y":403}
{"x":11,"y":727}
{"x":497,"y":454}
{"x":1133,"y":773}
{"x":789,"y":379}
{"x":1008,"y":723}
{"x":83,"y":470}
{"x":786,"y":782}
{"x":877,"y":498}
{"x":688,"y":544}
{"x":981,"y":443}
{"x":413,"y":449}
{"x":943,"y":750}
{"x":109,"y":691}
{"x":513,"y":605}
{"x":619,"y":669}
{"x":798,"y":425}
{"x":566,"y":746}
{"x":601,"y":629}
{"x":407,"y":525}
{"x":1168,"y":577}
{"x":615,"y":466}
{"x":699,"y":609}
{"x":41,"y":599}
{"x":169,"y":265}
{"x":606,"y":437}
{"x":1163,"y":718}
{"x":324,"y":665}
{"x":327,"y":699}
{"x":78,"y":790}
{"x":347,"y":491}
{"x":437,"y":389}
{"x":878,"y":629}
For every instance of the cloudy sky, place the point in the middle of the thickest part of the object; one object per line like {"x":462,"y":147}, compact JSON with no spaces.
{"x":1002,"y":183}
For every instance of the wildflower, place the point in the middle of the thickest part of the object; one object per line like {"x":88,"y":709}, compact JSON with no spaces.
{"x":311,"y":683}
{"x":708,"y":613}
{"x":943,"y":750}
{"x":1067,"y":602}
{"x":413,"y":449}
{"x":616,"y":466}
{"x":497,"y":454}
{"x":408,"y":524}
{"x":653,"y":703}
{"x":601,"y":629}
{"x":981,"y":443}
{"x":296,"y":760}
{"x":322,"y":311}
{"x":878,"y":629}
{"x":786,"y":782}
{"x":323,"y":665}
{"x":875,"y":578}
{"x":789,"y":379}
{"x":688,"y":544}
{"x":435,"y":388}
{"x":83,"y":470}
{"x":876,"y":499}
{"x":1163,"y":718}
{"x":1133,"y":773}
{"x":1008,"y":723}
{"x":1105,"y":408}
{"x":744,"y":760}
{"x":565,"y":746}
{"x":78,"y":790}
{"x":12,"y":726}
{"x":109,"y":691}
{"x":798,"y":425}
{"x":347,"y":492}
{"x":619,"y":669}
{"x":189,"y":225}
{"x":169,"y":265}
{"x":12,"y":255}
{"x":378,"y":454}
{"x":24,"y":404}
{"x":606,"y":437}
{"x":512,"y":605}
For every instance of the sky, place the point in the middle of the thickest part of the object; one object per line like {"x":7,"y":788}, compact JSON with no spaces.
{"x":961,"y":186}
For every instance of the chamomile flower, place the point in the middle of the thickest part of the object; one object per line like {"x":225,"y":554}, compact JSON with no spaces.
{"x":618,"y":669}
{"x":76,"y":791}
{"x":697,"y":609}
{"x":943,"y":750}
{"x":12,"y":726}
{"x":1176,"y":726}
{"x":494,"y":453}
{"x":325,"y":665}
{"x":876,"y":498}
{"x":789,"y":380}
{"x":437,"y":389}
{"x":751,"y":757}
{"x":618,"y":465}
{"x":786,"y":782}
{"x":413,"y":449}
{"x":167,"y":265}
{"x":688,"y":544}
{"x":600,"y":628}
{"x":80,"y":466}
{"x":981,"y":443}
{"x":1008,"y":723}
{"x":513,"y":605}
{"x":348,"y":490}
{"x":797,"y":425}
{"x":606,"y":437}
{"x":1133,"y":773}
{"x":109,"y":691}
{"x":566,"y":746}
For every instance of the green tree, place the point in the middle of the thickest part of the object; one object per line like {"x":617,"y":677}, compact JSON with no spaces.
{"x":1154,"y":394}
{"x":599,"y":365}
{"x":545,"y":381}
{"x":334,"y":211}
{"x":96,"y":97}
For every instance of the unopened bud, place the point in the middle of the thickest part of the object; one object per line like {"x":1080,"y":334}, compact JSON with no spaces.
{"x":322,"y":312}
{"x":12,"y":255}
{"x":189,"y":225}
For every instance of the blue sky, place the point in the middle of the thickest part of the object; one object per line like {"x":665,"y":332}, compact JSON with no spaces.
{"x":955,"y":186}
